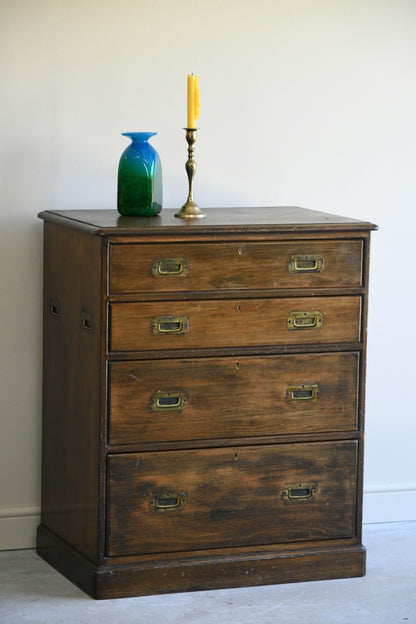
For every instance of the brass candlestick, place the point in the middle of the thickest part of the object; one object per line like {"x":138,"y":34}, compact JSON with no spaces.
{"x":190,"y":210}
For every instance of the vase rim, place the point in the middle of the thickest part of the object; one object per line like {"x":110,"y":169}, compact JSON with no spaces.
{"x":139,"y":135}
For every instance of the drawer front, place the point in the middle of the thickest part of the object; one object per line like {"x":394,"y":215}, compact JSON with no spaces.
{"x":234,"y":323}
{"x":239,"y":265}
{"x":173,"y":400}
{"x":217,"y":498}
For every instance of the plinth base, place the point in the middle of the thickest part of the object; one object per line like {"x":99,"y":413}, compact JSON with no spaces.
{"x":202,"y":570}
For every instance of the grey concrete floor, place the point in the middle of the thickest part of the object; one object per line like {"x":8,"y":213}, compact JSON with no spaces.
{"x":32,"y":592}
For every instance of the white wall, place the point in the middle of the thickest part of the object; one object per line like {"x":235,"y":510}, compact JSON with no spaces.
{"x":306,"y":103}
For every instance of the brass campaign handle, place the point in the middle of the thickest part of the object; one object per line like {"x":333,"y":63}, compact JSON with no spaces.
{"x":55,"y":309}
{"x":168,"y":401}
{"x":303,"y":392}
{"x":169,"y":501}
{"x":170,"y":267}
{"x":87,"y":323}
{"x":305,"y":320}
{"x":299,"y":491}
{"x":168,"y":325}
{"x":306,"y":264}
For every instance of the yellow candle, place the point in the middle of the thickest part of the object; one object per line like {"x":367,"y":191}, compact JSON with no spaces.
{"x":193,"y":101}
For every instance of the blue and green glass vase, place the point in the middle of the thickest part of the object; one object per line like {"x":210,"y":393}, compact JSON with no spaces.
{"x":139,"y":192}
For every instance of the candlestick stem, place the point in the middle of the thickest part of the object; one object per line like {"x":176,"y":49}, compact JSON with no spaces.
{"x":190,"y":210}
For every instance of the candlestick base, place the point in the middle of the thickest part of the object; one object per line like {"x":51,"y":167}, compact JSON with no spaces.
{"x":190,"y":210}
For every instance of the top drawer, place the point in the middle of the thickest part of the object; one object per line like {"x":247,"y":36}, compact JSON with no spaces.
{"x":165,"y":267}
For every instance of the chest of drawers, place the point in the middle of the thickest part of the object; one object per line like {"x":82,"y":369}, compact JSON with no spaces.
{"x":203,"y":399}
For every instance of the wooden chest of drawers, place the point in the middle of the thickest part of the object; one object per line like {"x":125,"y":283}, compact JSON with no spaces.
{"x":203,"y":399}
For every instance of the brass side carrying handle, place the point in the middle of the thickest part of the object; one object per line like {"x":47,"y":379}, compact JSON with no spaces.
{"x":55,"y":309}
{"x":170,"y":325}
{"x":87,"y":323}
{"x":303,"y":392}
{"x":299,"y":491}
{"x":305,"y":320}
{"x":306,"y":264}
{"x":167,"y":401}
{"x":169,"y":501}
{"x":170,"y":267}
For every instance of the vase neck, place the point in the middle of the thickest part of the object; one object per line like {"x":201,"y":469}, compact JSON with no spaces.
{"x":139,"y":137}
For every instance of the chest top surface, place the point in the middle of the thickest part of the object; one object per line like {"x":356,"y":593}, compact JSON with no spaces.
{"x":284,"y":219}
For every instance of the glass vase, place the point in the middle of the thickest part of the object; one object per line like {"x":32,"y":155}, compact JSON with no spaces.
{"x":139,"y":191}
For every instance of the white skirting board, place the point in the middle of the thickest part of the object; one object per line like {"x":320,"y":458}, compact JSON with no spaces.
{"x":18,"y":527}
{"x":389,"y":504}
{"x":381,"y":504}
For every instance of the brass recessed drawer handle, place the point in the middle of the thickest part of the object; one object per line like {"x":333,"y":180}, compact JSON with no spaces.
{"x":305,"y":320}
{"x":167,"y":401}
{"x":303,"y":392}
{"x":299,"y":491}
{"x":306,"y":264}
{"x":170,"y":267}
{"x":170,"y":501}
{"x":170,"y":325}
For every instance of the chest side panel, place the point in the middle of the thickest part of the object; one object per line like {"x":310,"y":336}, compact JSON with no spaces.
{"x":71,"y":387}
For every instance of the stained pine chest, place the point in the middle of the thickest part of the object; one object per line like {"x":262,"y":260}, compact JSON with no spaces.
{"x":203,"y":398}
